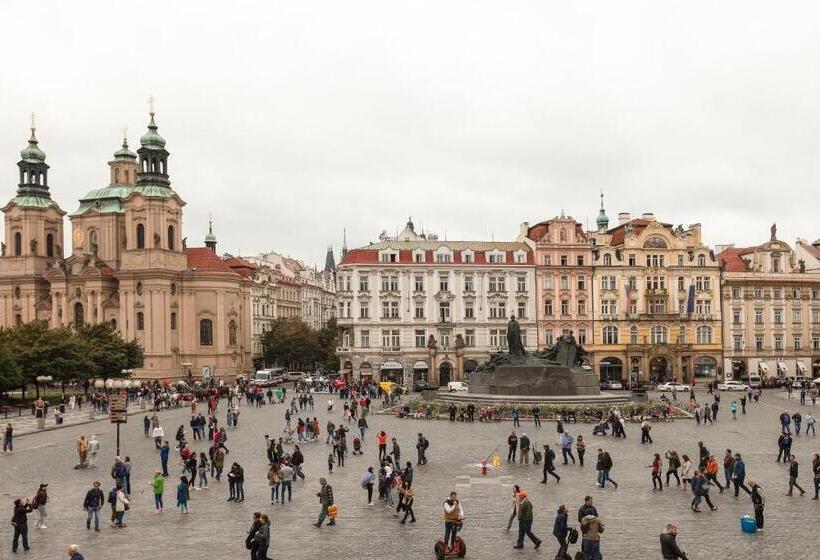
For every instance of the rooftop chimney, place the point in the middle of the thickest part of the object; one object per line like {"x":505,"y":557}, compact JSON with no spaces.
{"x":623,"y":217}
{"x":648,"y":216}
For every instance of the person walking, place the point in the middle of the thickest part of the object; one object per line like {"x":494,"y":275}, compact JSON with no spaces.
{"x":514,"y":513}
{"x":202,"y":471}
{"x":182,"y":495}
{"x":685,"y":471}
{"x":92,"y":504}
{"x":39,"y":503}
{"x":8,"y":438}
{"x":407,"y":494}
{"x":581,"y":448}
{"x":325,"y":495}
{"x":669,"y":545}
{"x":121,"y":506}
{"x":656,"y":466}
{"x":287,"y":473}
{"x":261,"y":538}
{"x":645,"y":428}
{"x":251,"y":544}
{"x":566,"y":446}
{"x":536,"y":416}
{"x":525,"y":521}
{"x":728,"y":468}
{"x":512,"y":446}
{"x":758,"y":502}
{"x":606,"y":463}
{"x":422,"y":444}
{"x":793,"y":472}
{"x":19,"y":520}
{"x":158,"y":487}
{"x":367,"y":483}
{"x":711,"y":472}
{"x":672,"y":465}
{"x":739,"y":475}
{"x":549,"y":465}
{"x":159,"y":435}
{"x":815,"y":465}
{"x":164,"y":452}
{"x":560,"y":530}
{"x":396,"y":452}
{"x":810,"y":422}
{"x":381,"y":439}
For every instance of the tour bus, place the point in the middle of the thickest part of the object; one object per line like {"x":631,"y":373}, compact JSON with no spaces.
{"x":268,"y":377}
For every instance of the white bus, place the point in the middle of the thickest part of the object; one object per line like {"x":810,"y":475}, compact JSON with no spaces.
{"x":268,"y":377}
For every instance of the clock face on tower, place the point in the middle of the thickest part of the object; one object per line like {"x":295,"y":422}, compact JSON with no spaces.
{"x":78,"y":238}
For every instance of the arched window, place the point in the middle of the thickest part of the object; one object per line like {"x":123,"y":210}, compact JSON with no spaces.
{"x":79,"y":315}
{"x":562,"y":236}
{"x":92,"y":240}
{"x":232,"y":333}
{"x":607,"y":259}
{"x":140,"y":236}
{"x":18,"y":244}
{"x":114,"y":324}
{"x":139,"y":288}
{"x":633,"y":334}
{"x":610,"y":335}
{"x":776,"y":264}
{"x":701,"y":260}
{"x":50,"y":245}
{"x":116,"y":175}
{"x":206,"y":332}
{"x":173,"y":321}
{"x":171,"y":237}
{"x":18,"y":319}
{"x":140,"y":321}
{"x":127,"y":176}
{"x":658,"y":335}
{"x":704,"y":335}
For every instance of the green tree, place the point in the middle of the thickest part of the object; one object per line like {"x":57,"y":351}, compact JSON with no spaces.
{"x":11,"y":376}
{"x":292,"y":343}
{"x":329,"y":339}
{"x":109,"y":353}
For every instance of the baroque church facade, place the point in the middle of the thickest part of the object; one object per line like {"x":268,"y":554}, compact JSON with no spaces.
{"x":129,"y":266}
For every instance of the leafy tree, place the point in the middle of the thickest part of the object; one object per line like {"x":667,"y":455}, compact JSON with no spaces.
{"x":11,"y":376}
{"x":109,"y":353}
{"x":292,"y":343}
{"x":329,"y":337}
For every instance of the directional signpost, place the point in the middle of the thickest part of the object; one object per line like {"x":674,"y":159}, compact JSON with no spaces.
{"x":118,"y":413}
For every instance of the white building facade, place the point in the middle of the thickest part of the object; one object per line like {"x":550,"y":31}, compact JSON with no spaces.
{"x":415,"y":308}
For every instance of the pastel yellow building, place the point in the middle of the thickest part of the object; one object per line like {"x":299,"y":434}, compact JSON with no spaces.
{"x":656,"y":303}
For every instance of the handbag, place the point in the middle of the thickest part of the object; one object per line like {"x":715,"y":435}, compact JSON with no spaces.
{"x":332,"y":512}
{"x":572,"y":535}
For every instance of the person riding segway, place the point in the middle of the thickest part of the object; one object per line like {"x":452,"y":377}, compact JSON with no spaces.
{"x":452,"y":546}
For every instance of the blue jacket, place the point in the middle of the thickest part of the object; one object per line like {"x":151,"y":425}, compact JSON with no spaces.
{"x":163,"y":452}
{"x":740,"y":469}
{"x":560,"y":527}
{"x":695,"y":483}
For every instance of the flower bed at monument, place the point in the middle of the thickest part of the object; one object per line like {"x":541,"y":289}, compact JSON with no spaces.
{"x":635,"y":412}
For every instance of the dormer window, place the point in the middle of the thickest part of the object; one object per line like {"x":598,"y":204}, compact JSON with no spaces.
{"x":467,"y":257}
{"x":607,"y":259}
{"x":701,"y":260}
{"x":776,"y":265}
{"x":389,"y":257}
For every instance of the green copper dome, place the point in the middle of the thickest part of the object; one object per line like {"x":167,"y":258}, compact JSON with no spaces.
{"x":32,"y":153}
{"x":152,"y":139}
{"x":602,"y":220}
{"x":124,"y":153}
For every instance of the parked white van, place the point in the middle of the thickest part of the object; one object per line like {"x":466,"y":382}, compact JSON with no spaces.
{"x":755,"y":381}
{"x":454,"y":386}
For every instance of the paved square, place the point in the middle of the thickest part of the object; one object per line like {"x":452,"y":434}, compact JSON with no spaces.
{"x":215,"y":529}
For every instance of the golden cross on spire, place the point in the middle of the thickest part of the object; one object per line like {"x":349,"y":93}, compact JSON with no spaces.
{"x":124,"y":132}
{"x":33,"y":126}
{"x":151,"y":105}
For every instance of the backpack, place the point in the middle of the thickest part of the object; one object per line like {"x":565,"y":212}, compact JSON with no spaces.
{"x":572,"y":535}
{"x":425,"y":444}
{"x":112,"y":497}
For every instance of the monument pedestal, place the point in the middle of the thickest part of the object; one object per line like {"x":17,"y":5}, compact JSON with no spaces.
{"x":534,"y":380}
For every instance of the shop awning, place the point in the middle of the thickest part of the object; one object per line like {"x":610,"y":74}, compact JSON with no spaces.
{"x":346,"y":371}
{"x":782,"y":368}
{"x":391,"y":365}
{"x":801,"y":367}
{"x":763,"y":367}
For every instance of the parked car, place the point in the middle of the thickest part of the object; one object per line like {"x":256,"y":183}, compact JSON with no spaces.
{"x":294,"y":375}
{"x":800,"y":382}
{"x":732,"y":386}
{"x":456,"y":386}
{"x":673,"y":385}
{"x":611,"y":385}
{"x":755,"y":382}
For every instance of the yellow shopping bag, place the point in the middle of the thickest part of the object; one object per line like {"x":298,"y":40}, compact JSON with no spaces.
{"x":496,"y":460}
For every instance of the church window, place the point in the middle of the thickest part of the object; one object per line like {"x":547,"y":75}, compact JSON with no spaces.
{"x":18,"y":319}
{"x":116,"y":175}
{"x":18,"y":244}
{"x":140,"y":321}
{"x":173,"y":321}
{"x":114,"y":324}
{"x":171,"y":238}
{"x":139,"y":288}
{"x":79,"y":315}
{"x":140,"y":236}
{"x":206,"y":332}
{"x":50,"y":245}
{"x":173,"y":288}
{"x":127,"y":176}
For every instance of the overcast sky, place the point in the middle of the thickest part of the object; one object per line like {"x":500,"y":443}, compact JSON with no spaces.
{"x":292,"y":120}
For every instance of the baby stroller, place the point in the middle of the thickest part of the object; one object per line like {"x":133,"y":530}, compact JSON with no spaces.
{"x":536,"y":457}
{"x":289,"y":436}
{"x":600,"y":428}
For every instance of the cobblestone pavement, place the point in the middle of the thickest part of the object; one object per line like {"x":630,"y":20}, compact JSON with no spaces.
{"x":214,"y":529}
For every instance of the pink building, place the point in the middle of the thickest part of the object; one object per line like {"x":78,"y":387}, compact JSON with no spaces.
{"x":563,"y":279}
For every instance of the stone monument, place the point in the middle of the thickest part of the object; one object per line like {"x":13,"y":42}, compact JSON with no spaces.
{"x":555,"y":371}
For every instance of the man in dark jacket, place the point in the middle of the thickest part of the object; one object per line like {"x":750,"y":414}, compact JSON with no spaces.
{"x":560,"y":530}
{"x":20,"y":522}
{"x":669,"y":546}
{"x":296,"y":460}
{"x":250,"y":543}
{"x":525,"y":521}
{"x":92,"y":504}
{"x":587,"y":509}
{"x":512,"y":444}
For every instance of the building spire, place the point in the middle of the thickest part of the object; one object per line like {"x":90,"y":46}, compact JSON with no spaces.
{"x":33,"y":167}
{"x":210,"y":239}
{"x":344,"y":242}
{"x":602,"y":220}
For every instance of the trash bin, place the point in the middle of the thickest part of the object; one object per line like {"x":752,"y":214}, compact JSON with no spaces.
{"x":748,"y":524}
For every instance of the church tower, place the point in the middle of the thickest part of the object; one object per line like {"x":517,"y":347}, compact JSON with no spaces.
{"x":33,"y":240}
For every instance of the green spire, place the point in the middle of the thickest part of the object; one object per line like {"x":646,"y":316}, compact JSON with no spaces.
{"x":602,"y":220}
{"x":124,"y":154}
{"x":210,"y":239}
{"x":32,"y":153}
{"x":151,"y":139}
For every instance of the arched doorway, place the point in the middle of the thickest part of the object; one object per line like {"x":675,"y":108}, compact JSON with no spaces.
{"x":659,"y":369}
{"x":610,"y":369}
{"x":445,"y":373}
{"x":705,"y":369}
{"x":79,"y":315}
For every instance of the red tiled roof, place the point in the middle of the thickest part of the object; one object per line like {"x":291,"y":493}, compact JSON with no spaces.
{"x":732,"y":261}
{"x":203,"y":259}
{"x":371,"y":256}
{"x":538,"y":231}
{"x":241,"y":266}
